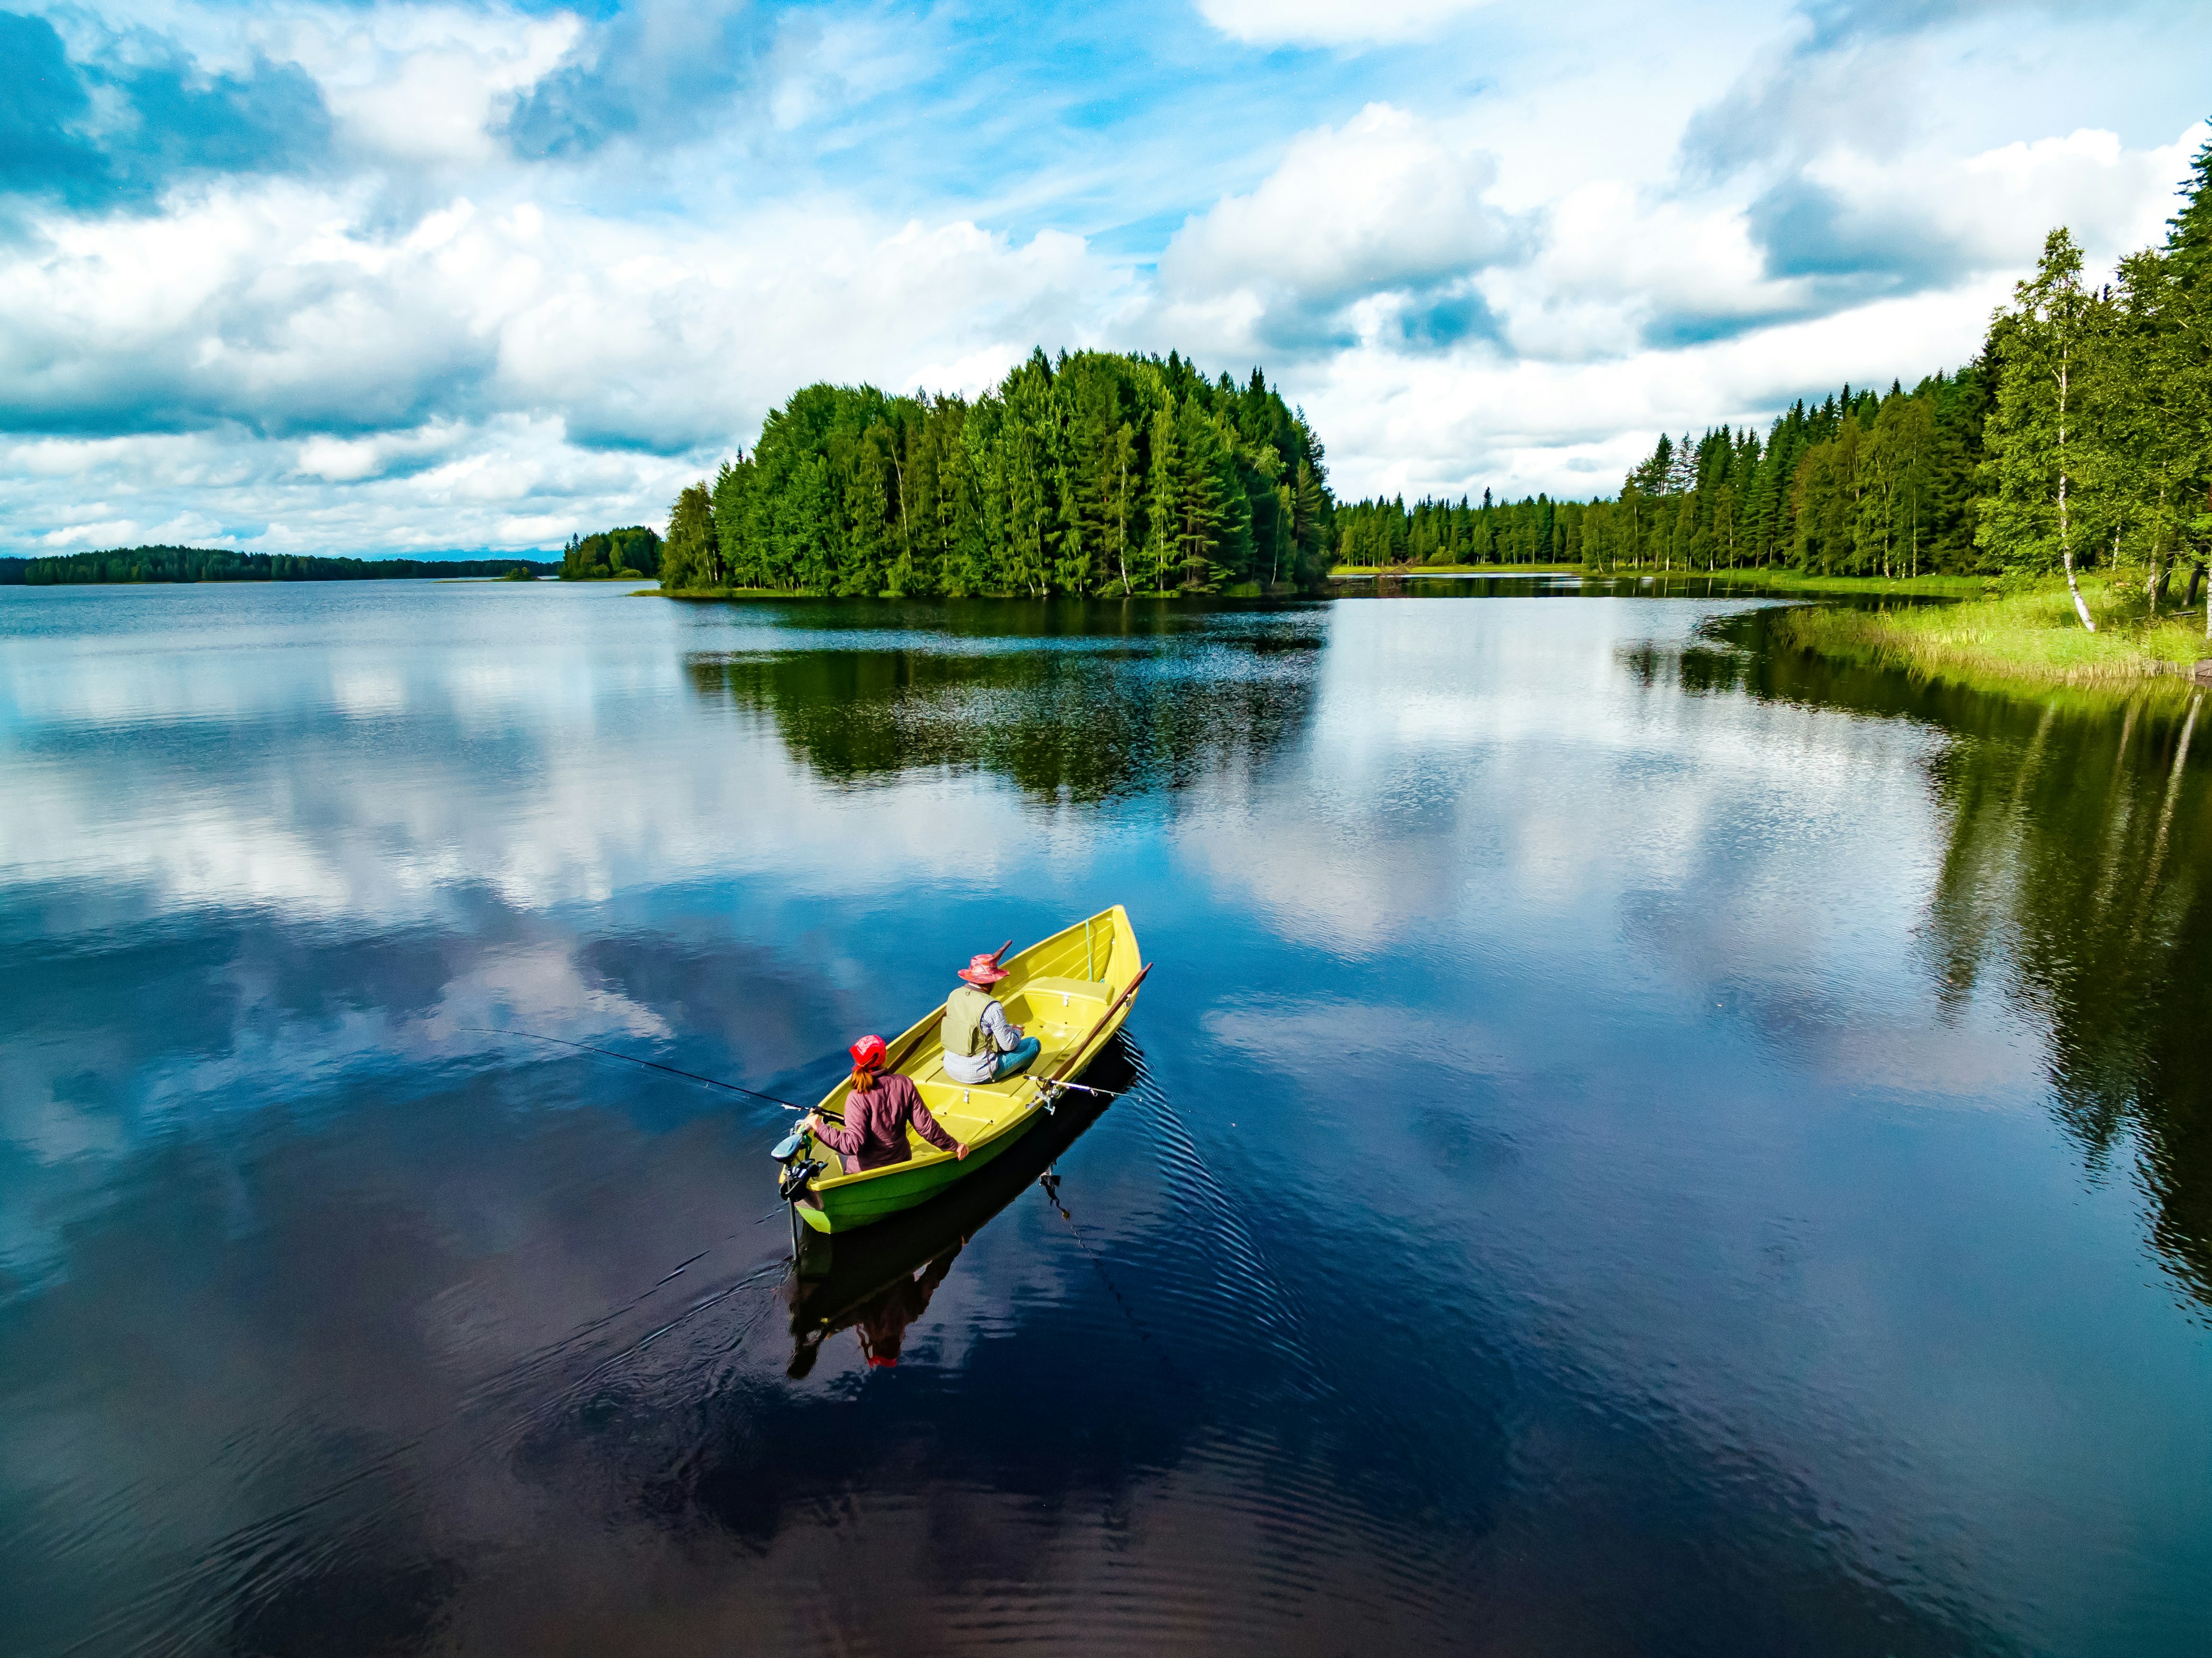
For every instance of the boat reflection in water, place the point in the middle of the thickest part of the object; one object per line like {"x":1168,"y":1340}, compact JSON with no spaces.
{"x":878,"y":1280}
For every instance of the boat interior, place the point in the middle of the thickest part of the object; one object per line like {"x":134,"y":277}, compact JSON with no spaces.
{"x":1057,"y":990}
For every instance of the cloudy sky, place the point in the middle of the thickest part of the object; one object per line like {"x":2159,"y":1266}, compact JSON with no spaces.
{"x":387,"y":278}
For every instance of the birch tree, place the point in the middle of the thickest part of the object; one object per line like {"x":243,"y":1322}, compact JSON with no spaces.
{"x":2038,"y":450}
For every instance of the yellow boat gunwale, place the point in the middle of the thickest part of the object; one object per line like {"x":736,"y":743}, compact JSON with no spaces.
{"x":987,"y":1117}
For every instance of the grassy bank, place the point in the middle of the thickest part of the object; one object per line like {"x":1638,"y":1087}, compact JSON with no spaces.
{"x":2027,"y":636}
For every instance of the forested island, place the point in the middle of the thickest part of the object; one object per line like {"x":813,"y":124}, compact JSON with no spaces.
{"x":173,"y":564}
{"x":1091,"y":474}
{"x":611,"y":554}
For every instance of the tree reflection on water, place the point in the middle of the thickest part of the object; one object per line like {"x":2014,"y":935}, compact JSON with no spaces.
{"x":1110,"y":712}
{"x":2072,"y":882}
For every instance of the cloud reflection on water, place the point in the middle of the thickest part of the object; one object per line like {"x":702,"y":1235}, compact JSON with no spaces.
{"x":1590,"y":1131}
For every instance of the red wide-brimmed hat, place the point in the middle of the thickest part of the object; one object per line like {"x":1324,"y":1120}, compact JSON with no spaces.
{"x":983,"y":969}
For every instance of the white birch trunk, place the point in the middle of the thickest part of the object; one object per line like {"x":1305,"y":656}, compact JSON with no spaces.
{"x":2080,"y":604}
{"x":2065,"y":540}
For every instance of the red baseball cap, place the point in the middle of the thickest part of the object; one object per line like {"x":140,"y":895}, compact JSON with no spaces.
{"x":868,"y":1053}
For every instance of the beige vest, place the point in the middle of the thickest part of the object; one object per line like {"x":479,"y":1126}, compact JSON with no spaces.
{"x":963,"y":1032}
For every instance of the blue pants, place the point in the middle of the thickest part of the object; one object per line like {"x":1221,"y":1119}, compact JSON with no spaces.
{"x":1023,"y":1056}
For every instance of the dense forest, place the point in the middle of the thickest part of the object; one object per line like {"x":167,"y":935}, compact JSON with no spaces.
{"x":128,"y":564}
{"x":2081,"y":436}
{"x":1860,"y":484}
{"x":1088,"y":474}
{"x":634,"y":551}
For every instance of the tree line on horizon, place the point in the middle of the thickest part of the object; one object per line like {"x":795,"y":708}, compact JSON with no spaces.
{"x":1816,"y":493}
{"x":120,"y":565}
{"x":1087,"y":473}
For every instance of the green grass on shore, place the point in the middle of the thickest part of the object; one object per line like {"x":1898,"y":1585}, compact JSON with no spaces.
{"x":2028,"y":635}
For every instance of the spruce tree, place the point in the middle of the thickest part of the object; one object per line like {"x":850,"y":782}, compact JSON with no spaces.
{"x":2188,"y":360}
{"x":1162,"y":550}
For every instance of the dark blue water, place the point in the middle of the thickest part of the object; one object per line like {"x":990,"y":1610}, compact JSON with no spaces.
{"x":1637,"y":1142}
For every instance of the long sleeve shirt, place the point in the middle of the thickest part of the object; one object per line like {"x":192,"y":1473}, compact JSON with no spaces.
{"x":978,"y":1067}
{"x":874,"y":1130}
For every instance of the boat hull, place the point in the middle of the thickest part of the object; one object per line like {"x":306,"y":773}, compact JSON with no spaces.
{"x":1070,"y":992}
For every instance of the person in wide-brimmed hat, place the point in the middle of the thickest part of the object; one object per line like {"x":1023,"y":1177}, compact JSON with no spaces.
{"x":980,"y":1045}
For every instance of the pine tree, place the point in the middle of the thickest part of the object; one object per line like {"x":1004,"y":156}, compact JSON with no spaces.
{"x":1199,"y":504}
{"x":1163,"y":552}
{"x":2188,"y":360}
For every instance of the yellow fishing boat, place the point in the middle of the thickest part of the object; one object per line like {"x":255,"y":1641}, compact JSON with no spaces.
{"x":1070,"y":992}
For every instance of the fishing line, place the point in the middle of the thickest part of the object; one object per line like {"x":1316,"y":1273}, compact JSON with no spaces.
{"x":1048,"y":1183}
{"x":650,"y":1065}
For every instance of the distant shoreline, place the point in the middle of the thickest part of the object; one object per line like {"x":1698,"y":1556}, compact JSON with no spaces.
{"x":165,"y":566}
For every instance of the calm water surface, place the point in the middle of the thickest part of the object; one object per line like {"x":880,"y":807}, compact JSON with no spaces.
{"x":1636,"y":1143}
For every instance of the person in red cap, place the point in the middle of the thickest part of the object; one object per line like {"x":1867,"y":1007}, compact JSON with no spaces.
{"x":876,"y":1114}
{"x":980,"y":1045}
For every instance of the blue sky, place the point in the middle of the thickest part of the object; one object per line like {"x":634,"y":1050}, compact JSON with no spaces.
{"x":391,"y":278}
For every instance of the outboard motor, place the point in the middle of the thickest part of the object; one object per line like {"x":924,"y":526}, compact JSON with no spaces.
{"x":795,"y":1176}
{"x":798,"y":1168}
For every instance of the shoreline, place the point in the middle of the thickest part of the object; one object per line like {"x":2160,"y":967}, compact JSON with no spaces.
{"x":1765,"y":580}
{"x":2023,"y":640}
{"x":716,"y":595}
{"x":1365,"y":572}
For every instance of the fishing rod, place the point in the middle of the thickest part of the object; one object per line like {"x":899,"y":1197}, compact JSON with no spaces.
{"x":1047,"y":1086}
{"x":1057,"y":1079}
{"x":650,"y":1065}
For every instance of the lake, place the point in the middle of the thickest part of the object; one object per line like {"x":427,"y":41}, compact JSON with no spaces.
{"x":1636,"y":1142}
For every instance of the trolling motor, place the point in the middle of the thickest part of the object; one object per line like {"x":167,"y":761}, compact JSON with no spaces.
{"x":798,"y":1168}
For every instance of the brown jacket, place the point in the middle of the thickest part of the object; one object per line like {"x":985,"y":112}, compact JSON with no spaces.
{"x":874,"y":1132}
